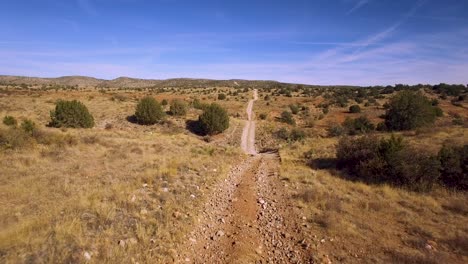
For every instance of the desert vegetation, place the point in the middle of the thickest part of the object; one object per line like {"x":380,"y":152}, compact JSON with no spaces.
{"x":149,"y":111}
{"x":72,"y":114}
{"x":383,"y":184}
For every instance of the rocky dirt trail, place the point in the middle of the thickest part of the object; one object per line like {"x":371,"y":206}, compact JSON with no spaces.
{"x":248,"y":219}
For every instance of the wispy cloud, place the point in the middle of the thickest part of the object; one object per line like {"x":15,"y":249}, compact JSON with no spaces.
{"x":357,"y":6}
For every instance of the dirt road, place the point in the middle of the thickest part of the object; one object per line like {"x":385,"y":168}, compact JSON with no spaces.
{"x":248,"y":218}
{"x":248,"y":134}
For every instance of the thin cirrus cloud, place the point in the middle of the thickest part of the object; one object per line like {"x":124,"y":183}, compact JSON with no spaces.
{"x":158,"y":44}
{"x":357,"y":5}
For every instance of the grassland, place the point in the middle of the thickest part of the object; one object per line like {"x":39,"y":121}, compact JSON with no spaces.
{"x":121,"y":192}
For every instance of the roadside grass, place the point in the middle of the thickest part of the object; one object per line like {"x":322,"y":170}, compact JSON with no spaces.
{"x":372,"y":223}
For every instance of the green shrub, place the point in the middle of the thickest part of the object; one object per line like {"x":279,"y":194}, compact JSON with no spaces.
{"x":297,"y":135}
{"x":214,"y":119}
{"x":221,"y":96}
{"x":10,"y":121}
{"x":287,"y":117}
{"x":409,"y":110}
{"x":197,"y":104}
{"x":294,"y":135}
{"x":336,"y":130}
{"x":294,"y":109}
{"x":360,"y":125}
{"x":28,"y":126}
{"x":282,"y":133}
{"x":164,"y":102}
{"x":71,"y":114}
{"x":263,"y":116}
{"x":178,"y":107}
{"x":454,"y":169}
{"x":438,"y":111}
{"x":388,"y":161}
{"x":381,"y":127}
{"x":355,"y":109}
{"x":149,"y":111}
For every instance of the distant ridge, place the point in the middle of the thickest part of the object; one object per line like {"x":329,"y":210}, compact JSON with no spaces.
{"x":120,"y":82}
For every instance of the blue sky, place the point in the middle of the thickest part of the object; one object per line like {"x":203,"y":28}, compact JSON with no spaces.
{"x":358,"y":42}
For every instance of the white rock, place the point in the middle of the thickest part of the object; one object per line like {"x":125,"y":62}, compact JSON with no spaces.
{"x":192,"y":196}
{"x":145,"y":185}
{"x":122,"y":243}
{"x":220,"y":233}
{"x":87,"y":255}
{"x":165,"y":189}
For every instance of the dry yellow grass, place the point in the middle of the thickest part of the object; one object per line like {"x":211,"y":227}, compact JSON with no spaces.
{"x":120,"y":195}
{"x":368,"y":223}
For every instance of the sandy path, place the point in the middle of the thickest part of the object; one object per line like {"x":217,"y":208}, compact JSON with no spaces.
{"x":247,"y":218}
{"x":248,"y":134}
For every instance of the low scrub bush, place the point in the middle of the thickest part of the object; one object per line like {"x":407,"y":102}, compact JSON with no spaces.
{"x":71,"y":114}
{"x":388,"y":161}
{"x":178,"y":108}
{"x":149,"y":111}
{"x":10,"y":121}
{"x":287,"y":117}
{"x":294,"y":109}
{"x":28,"y":126}
{"x":291,"y":136}
{"x":360,"y":125}
{"x":409,"y":110}
{"x":28,"y":135}
{"x":454,"y":166}
{"x":263,"y":116}
{"x":214,"y":119}
{"x":15,"y":139}
{"x":221,"y":96}
{"x":197,"y":104}
{"x":336,"y":130}
{"x":355,"y":109}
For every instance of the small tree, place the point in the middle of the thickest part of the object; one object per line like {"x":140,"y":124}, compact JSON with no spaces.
{"x":149,"y":111}
{"x":71,"y":114}
{"x":178,"y":108}
{"x":287,"y":118}
{"x":354,"y":109}
{"x":409,"y":110}
{"x":10,"y":121}
{"x":214,"y":119}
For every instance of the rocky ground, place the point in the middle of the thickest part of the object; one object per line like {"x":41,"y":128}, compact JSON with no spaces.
{"x":247,"y":220}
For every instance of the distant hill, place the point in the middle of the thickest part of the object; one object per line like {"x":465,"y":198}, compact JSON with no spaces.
{"x":83,"y":81}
